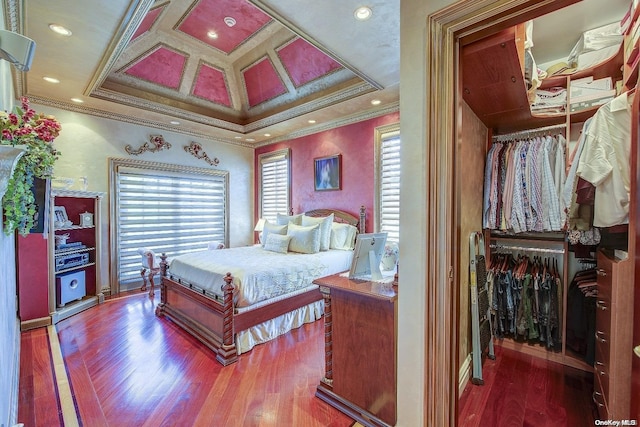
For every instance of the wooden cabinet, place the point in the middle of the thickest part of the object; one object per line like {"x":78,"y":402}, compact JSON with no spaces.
{"x":360,"y":349}
{"x":614,"y":317}
{"x":494,"y":83}
{"x":74,"y":252}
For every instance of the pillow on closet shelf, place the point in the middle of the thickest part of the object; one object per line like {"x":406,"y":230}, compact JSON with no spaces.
{"x":343,"y":236}
{"x":277,"y":243}
{"x":305,"y":240}
{"x":325,"y":228}
{"x":272,"y":229}
{"x":282,"y":219}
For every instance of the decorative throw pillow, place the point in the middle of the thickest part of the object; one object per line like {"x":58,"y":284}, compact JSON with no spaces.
{"x":325,"y":228}
{"x":304,"y":240}
{"x":286,"y":219}
{"x":277,"y":243}
{"x":343,"y":236}
{"x":272,"y":228}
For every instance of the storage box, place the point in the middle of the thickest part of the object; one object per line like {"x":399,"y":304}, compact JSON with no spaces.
{"x":70,"y":286}
{"x":592,"y":102}
{"x":588,"y":90}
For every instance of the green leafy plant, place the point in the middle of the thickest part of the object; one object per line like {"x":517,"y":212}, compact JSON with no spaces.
{"x":36,"y":133}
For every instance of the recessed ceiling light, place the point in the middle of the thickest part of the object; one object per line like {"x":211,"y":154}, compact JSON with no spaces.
{"x":312,"y":121}
{"x":375,"y":102}
{"x":250,"y":140}
{"x":59,"y":29}
{"x":212,"y":34}
{"x":229,"y":21}
{"x":78,"y":100}
{"x":174,"y":122}
{"x":363,"y":13}
{"x":50,"y":79}
{"x":267,"y":134}
{"x":237,"y":137}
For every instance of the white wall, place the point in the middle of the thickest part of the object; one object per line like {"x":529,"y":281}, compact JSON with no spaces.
{"x":87,"y":142}
{"x":411,"y":307}
{"x":9,"y":323}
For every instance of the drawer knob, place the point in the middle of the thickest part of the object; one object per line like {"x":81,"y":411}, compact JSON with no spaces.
{"x":599,"y":337}
{"x":601,"y":304}
{"x":596,"y":399}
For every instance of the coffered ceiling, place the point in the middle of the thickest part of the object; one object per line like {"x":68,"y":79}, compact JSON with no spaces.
{"x":239,"y":71}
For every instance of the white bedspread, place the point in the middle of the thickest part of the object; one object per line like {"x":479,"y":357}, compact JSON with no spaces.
{"x":258,"y":274}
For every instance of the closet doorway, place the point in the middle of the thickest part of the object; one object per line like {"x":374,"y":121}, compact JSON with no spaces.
{"x":464,"y":21}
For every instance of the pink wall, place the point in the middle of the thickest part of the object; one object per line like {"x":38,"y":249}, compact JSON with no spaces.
{"x":356,"y":144}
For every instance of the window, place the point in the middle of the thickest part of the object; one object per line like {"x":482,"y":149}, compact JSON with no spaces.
{"x":166,"y":208}
{"x":387,"y":140}
{"x":275,"y":195}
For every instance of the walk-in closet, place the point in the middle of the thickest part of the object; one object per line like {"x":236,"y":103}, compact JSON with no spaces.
{"x":546,"y":174}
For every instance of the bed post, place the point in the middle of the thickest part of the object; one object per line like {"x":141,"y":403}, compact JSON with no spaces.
{"x":163,"y":293}
{"x":227,"y":353}
{"x":163,"y":265}
{"x":361,"y":223}
{"x":328,"y":337}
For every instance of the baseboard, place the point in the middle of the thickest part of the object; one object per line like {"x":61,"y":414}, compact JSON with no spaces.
{"x":15,"y":378}
{"x":464,"y":374}
{"x":40,"y":322}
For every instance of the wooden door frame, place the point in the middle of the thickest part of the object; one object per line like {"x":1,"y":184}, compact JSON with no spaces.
{"x":471,"y":19}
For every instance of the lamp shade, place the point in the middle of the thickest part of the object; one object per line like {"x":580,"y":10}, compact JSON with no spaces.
{"x":259,"y":225}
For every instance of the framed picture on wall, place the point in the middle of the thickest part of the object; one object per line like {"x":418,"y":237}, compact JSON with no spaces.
{"x":328,"y":173}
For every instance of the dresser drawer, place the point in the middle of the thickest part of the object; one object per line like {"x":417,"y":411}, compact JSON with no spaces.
{"x":603,"y":318}
{"x":613,"y":337}
{"x":601,"y":368}
{"x":599,"y":399}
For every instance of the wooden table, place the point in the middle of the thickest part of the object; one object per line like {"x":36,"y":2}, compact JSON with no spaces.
{"x":360,"y":349}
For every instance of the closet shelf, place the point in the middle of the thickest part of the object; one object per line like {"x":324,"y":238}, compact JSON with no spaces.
{"x":558,"y":237}
{"x":493,"y":83}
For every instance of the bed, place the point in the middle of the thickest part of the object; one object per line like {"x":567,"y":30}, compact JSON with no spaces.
{"x":233,"y":299}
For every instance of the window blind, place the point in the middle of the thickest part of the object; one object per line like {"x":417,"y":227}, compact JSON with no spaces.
{"x":274,"y":185}
{"x":389,"y":186}
{"x":166,"y":212}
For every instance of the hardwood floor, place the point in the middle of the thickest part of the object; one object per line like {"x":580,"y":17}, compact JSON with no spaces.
{"x":125,"y":366}
{"x":523,"y":390}
{"x":128,"y":367}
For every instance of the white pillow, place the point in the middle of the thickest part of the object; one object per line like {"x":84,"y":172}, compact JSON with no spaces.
{"x":305,"y":240}
{"x":286,"y":219}
{"x":277,"y":243}
{"x":343,"y":236}
{"x":325,"y":228}
{"x":272,"y":228}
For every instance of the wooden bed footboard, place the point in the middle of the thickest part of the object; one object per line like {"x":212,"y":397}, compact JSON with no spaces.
{"x":215,"y":323}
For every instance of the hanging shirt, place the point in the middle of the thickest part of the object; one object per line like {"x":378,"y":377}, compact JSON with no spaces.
{"x":550,"y":202}
{"x":605,"y":161}
{"x":568,"y":192}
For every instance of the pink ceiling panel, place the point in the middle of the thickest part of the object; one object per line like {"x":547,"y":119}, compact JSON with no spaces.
{"x":208,"y":16}
{"x":262,"y":82}
{"x":149,"y":19}
{"x":211,"y":85}
{"x":304,"y":62}
{"x":163,"y":66}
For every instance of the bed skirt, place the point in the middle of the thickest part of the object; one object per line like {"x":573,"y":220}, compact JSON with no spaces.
{"x":249,"y":338}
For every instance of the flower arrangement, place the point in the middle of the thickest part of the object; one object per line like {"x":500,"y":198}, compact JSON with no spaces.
{"x":36,"y":133}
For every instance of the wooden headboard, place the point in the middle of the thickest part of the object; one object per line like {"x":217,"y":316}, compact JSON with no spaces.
{"x":342,"y":216}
